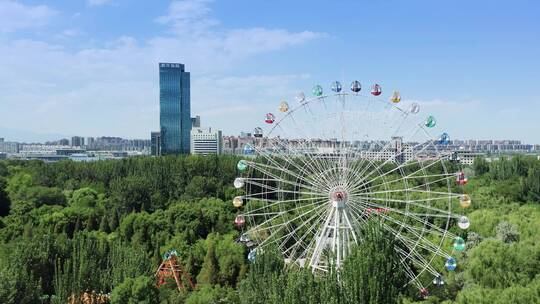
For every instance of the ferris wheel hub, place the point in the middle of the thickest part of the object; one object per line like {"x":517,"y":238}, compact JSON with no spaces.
{"x":338,"y":197}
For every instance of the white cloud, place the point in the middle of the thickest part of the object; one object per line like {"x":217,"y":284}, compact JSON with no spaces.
{"x":97,"y":2}
{"x":17,"y":16}
{"x":190,"y":20}
{"x":252,"y":41}
{"x":181,"y":12}
{"x":113,"y":90}
{"x":71,"y":32}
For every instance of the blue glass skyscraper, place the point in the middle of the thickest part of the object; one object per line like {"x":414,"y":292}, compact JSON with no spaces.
{"x":174,"y":105}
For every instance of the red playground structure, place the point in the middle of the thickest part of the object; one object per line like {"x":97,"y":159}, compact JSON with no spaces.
{"x":170,"y":268}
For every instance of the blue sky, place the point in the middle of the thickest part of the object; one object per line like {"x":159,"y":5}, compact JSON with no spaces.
{"x":89,"y":67}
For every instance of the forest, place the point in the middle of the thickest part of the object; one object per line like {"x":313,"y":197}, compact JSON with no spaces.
{"x":69,"y":230}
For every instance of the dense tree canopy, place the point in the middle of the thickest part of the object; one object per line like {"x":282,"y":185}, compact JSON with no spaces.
{"x":69,"y":229}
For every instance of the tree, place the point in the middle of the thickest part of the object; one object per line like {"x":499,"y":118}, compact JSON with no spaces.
{"x":17,"y":286}
{"x":200,"y":187}
{"x":113,"y":222}
{"x":77,"y":225}
{"x":5,"y":203}
{"x":213,"y":294}
{"x":104,"y":224}
{"x":263,"y":277}
{"x":531,"y":184}
{"x":90,"y":223}
{"x":473,"y":239}
{"x":140,"y":290}
{"x":84,"y":198}
{"x":507,"y":232}
{"x":497,"y":265}
{"x":373,"y":272}
{"x":210,"y":268}
{"x":132,"y":193}
{"x":480,"y":166}
{"x":231,"y":260}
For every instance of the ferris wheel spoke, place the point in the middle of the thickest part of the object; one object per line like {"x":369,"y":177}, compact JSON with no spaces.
{"x":440,"y":212}
{"x":260,"y":227}
{"x":447,"y":177}
{"x":266,"y":169}
{"x":277,"y":228}
{"x":383,"y":196}
{"x":411,"y":253}
{"x":274,"y":203}
{"x":327,"y":163}
{"x":270,"y":158}
{"x":279,"y":189}
{"x":251,"y":213}
{"x":409,"y":273}
{"x":264,"y":182}
{"x":435,"y":181}
{"x":427,"y":144}
{"x":314,"y":175}
{"x":417,"y":259}
{"x":448,"y":195}
{"x":314,"y":164}
{"x":312,"y":229}
{"x":400,"y":167}
{"x":289,"y":160}
{"x":257,"y":195}
{"x":362,"y":183}
{"x":421,"y":242}
{"x":301,"y":142}
{"x":313,"y":202}
{"x":385,"y":148}
{"x":288,"y":236}
{"x":354,"y":184}
{"x":433,"y":228}
{"x":425,"y":185}
{"x":411,"y":244}
{"x":444,"y":177}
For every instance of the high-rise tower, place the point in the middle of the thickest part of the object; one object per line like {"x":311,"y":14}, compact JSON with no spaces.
{"x":174,"y":105}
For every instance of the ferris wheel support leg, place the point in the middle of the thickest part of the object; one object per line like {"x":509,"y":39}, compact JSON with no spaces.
{"x":344,"y":231}
{"x":337,"y":242}
{"x":321,"y":242}
{"x":349,"y":226}
{"x":338,"y":230}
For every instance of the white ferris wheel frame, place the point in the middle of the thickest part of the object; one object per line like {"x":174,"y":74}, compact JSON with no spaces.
{"x":338,"y":231}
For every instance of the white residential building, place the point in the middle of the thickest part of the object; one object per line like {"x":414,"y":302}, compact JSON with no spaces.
{"x":206,"y":141}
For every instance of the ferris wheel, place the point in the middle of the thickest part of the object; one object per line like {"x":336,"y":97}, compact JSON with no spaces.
{"x":323,"y":166}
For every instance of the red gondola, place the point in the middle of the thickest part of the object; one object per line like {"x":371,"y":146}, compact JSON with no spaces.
{"x":270,"y":118}
{"x":239,"y":221}
{"x":424,"y":293}
{"x":376,"y":90}
{"x":461,"y":178}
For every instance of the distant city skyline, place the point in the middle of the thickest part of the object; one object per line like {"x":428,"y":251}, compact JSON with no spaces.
{"x":82,"y":69}
{"x":455,"y":141}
